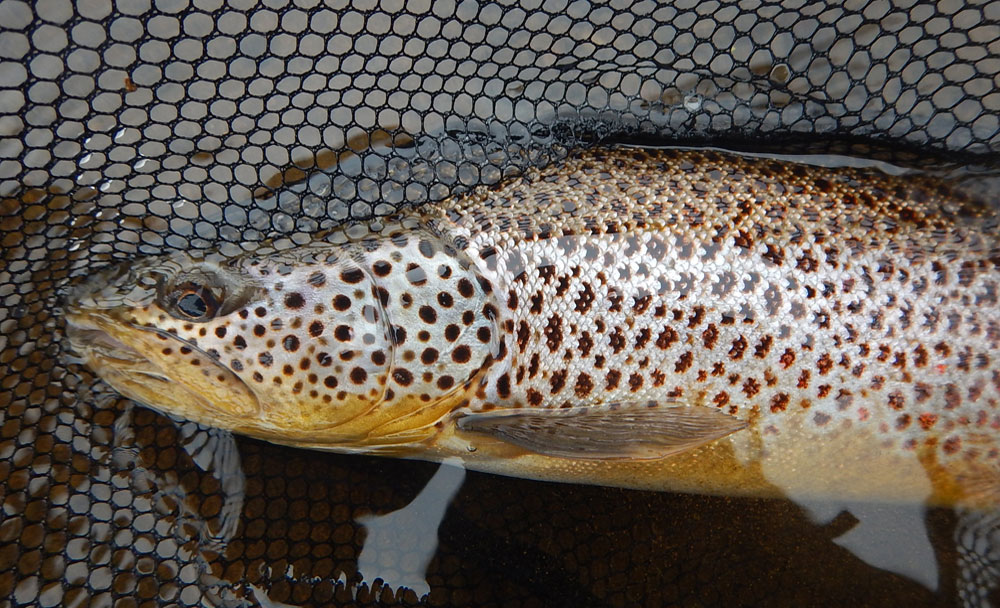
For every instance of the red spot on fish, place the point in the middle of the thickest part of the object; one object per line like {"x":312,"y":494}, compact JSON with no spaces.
{"x":803,"y":379}
{"x":779,"y":402}
{"x":927,"y":420}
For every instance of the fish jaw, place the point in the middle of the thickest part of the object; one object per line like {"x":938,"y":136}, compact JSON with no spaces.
{"x":140,"y":363}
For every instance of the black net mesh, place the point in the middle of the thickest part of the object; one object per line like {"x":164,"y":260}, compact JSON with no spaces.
{"x":141,"y":126}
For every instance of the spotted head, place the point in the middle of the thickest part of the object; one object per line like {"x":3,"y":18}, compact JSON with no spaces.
{"x":359,"y":340}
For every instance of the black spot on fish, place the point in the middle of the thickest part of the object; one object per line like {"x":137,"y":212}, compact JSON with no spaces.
{"x":315,"y":328}
{"x":381,"y":268}
{"x":354,"y":275}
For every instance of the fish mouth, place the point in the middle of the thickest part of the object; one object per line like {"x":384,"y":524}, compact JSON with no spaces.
{"x":120,"y":355}
{"x":98,"y":348}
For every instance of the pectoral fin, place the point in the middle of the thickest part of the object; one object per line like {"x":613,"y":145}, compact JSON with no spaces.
{"x":624,"y":431}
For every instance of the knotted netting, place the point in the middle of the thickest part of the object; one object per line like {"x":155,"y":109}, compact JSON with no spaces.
{"x":140,"y":127}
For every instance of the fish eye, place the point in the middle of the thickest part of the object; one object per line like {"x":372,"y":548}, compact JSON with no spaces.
{"x":202,"y":294}
{"x":193,"y":304}
{"x":191,"y":301}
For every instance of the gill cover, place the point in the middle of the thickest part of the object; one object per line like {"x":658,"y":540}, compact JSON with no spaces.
{"x":445,"y":328}
{"x":362,"y":339}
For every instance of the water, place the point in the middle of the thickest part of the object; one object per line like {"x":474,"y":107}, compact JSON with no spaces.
{"x":319,"y":526}
{"x":77,"y":528}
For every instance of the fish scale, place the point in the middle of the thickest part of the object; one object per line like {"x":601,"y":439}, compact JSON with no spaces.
{"x":831,"y":296}
{"x":678,"y":319}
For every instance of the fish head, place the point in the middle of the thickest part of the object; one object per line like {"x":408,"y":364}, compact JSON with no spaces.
{"x":143,"y":327}
{"x":326,"y":346}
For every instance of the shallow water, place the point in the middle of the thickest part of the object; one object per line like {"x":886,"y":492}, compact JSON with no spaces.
{"x":321,"y":529}
{"x":86,"y":521}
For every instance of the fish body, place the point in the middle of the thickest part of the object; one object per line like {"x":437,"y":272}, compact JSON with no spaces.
{"x":677,"y":319}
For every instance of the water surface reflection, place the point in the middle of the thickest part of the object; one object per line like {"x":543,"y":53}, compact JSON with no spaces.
{"x":513,"y":542}
{"x":401,"y":544}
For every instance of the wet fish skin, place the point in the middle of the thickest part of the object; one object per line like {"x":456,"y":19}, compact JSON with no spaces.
{"x":823,"y":303}
{"x":810,"y":310}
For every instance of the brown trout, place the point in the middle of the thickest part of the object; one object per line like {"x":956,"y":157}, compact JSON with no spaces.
{"x":690,"y":320}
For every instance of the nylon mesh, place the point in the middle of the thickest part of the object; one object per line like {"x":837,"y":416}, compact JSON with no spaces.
{"x":139,"y":127}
